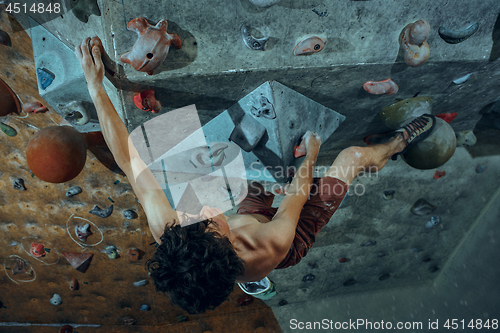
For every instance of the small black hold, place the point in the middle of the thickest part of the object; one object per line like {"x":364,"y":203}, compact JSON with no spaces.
{"x":5,"y":38}
{"x":426,"y":259}
{"x":388,"y":195}
{"x":129,"y":321}
{"x":313,"y":265}
{"x":369,"y":243}
{"x":101,"y":212}
{"x":283,"y":302}
{"x":317,"y":47}
{"x":19,"y":184}
{"x":74,"y":190}
{"x":349,"y":282}
{"x":181,"y":318}
{"x":384,"y":277}
{"x":422,"y":207}
{"x":433,"y":269}
{"x":320,"y":14}
{"x":308,"y":278}
{"x":129,"y":214}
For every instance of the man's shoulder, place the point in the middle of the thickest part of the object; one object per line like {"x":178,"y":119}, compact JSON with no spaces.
{"x":257,"y":249}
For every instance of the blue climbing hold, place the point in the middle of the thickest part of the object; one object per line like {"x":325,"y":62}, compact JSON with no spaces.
{"x":480,"y":168}
{"x":145,"y":307}
{"x":45,"y":77}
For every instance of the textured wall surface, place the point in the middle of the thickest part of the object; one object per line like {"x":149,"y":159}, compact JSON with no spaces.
{"x":214,"y":69}
{"x":44,"y":214}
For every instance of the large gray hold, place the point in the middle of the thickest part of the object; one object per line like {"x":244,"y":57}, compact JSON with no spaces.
{"x":73,"y":190}
{"x":422,"y":207}
{"x":101,"y":212}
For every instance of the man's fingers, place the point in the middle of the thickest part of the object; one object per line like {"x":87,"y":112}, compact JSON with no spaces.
{"x":96,"y":53}
{"x":84,"y":48}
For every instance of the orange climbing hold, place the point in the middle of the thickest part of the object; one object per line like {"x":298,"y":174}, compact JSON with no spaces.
{"x":56,"y":154}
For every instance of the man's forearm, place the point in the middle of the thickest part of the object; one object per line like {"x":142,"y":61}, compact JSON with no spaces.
{"x":302,"y":181}
{"x":113,"y":129}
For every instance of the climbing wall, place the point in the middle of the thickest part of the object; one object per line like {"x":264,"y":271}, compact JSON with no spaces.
{"x":376,"y":240}
{"x":105,"y":298}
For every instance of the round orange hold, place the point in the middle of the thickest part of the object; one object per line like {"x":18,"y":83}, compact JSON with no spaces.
{"x":56,"y":154}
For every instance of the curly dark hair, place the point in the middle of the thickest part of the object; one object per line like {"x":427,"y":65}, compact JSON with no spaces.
{"x":196,"y":267}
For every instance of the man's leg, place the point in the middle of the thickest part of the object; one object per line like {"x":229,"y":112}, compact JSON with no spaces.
{"x":353,"y":160}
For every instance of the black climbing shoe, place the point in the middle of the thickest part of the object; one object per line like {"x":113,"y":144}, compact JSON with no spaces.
{"x":418,"y":129}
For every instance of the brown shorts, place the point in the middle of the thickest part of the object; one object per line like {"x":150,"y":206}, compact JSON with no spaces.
{"x":324,"y":199}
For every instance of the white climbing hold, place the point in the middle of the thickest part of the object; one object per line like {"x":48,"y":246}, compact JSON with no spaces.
{"x":56,"y":300}
{"x":463,"y":79}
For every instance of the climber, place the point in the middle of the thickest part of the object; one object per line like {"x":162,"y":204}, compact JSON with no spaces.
{"x":198,"y":264}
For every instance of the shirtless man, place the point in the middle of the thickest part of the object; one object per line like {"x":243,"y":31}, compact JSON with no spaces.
{"x":197,"y":265}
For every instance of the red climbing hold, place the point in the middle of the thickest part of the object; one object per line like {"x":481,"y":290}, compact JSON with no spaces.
{"x":342,"y":259}
{"x":448,"y":117}
{"x":300,"y":150}
{"x":34,"y":107}
{"x":146,"y":101}
{"x":37,"y":250}
{"x":133,"y":254}
{"x":79,"y":261}
{"x":74,"y":285}
{"x":438,"y":174}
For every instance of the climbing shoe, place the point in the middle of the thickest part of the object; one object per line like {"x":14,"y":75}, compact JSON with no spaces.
{"x":417,"y":130}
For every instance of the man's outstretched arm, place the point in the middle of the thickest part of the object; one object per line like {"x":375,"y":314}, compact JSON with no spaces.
{"x":150,"y":194}
{"x":280,"y":232}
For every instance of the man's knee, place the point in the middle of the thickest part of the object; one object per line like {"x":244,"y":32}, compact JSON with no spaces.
{"x":354,"y":154}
